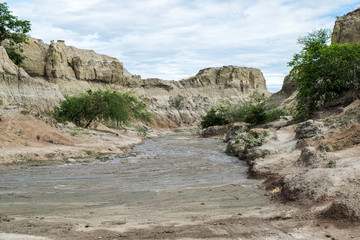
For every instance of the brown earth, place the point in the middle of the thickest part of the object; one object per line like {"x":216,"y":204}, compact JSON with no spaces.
{"x":27,"y":136}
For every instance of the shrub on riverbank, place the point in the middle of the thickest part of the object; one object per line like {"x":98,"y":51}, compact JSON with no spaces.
{"x":215,"y":116}
{"x":254,"y":111}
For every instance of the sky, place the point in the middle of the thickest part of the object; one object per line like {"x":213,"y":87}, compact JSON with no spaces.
{"x":174,"y":39}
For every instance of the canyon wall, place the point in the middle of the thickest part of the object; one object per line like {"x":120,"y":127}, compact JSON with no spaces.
{"x":16,"y":86}
{"x":347,"y":28}
{"x":50,"y":72}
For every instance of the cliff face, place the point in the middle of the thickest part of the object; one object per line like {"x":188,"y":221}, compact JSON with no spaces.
{"x":57,"y":70}
{"x":57,"y":61}
{"x":16,"y":86}
{"x":347,"y":28}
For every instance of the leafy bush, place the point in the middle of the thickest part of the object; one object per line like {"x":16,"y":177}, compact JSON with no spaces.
{"x":14,"y":31}
{"x":113,"y":106}
{"x":256,"y":108}
{"x":255,"y":111}
{"x":274,"y":114}
{"x":323,"y":72}
{"x":215,"y":116}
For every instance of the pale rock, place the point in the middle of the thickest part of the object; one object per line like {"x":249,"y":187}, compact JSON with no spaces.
{"x":3,"y":102}
{"x":35,"y":53}
{"x":58,"y":62}
{"x":347,"y":28}
{"x":215,"y":131}
{"x":235,"y":129}
{"x":175,"y":103}
{"x":17,"y":86}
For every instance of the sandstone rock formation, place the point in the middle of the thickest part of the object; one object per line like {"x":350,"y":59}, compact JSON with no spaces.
{"x":347,"y":28}
{"x":16,"y":86}
{"x":69,"y":70}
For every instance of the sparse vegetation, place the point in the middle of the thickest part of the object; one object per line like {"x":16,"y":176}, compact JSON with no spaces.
{"x":141,"y":129}
{"x":20,"y":132}
{"x":250,"y":140}
{"x":254,"y":111}
{"x":331,"y":164}
{"x":75,"y":131}
{"x":244,"y":141}
{"x":336,"y":145}
{"x":88,"y":152}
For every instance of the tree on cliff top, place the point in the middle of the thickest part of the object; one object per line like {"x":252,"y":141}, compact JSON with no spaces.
{"x":13,"y":30}
{"x":323,"y":72}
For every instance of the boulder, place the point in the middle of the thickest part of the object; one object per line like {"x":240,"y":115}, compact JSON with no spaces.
{"x":310,"y":157}
{"x":35,"y":53}
{"x":307,"y":129}
{"x":236,"y":128}
{"x":215,"y":131}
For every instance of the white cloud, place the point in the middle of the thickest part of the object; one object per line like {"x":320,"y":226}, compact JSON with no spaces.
{"x":173,"y":39}
{"x":78,"y":5}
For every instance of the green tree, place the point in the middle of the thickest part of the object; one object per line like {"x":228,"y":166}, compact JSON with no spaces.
{"x":323,"y":72}
{"x":84,"y":108}
{"x":13,"y":30}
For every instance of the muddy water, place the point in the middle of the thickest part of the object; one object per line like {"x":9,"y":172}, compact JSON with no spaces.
{"x":160,"y":163}
{"x":172,"y":181}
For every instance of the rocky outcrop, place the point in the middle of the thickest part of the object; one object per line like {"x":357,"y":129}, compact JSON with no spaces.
{"x":57,"y":61}
{"x":285,"y":98}
{"x":312,"y":163}
{"x":241,"y":78}
{"x":347,"y":28}
{"x":215,"y":131}
{"x":16,"y":86}
{"x":71,"y":70}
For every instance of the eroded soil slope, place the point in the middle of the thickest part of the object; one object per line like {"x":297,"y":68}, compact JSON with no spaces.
{"x":27,"y":136}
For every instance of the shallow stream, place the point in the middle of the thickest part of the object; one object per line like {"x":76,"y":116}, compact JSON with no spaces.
{"x":160,"y":163}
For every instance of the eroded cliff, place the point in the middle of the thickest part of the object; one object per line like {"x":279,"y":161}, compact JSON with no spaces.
{"x":347,"y":28}
{"x":16,"y":86}
{"x":68,"y":70}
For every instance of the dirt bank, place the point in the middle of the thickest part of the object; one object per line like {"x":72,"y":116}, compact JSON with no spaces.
{"x":28,"y":136}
